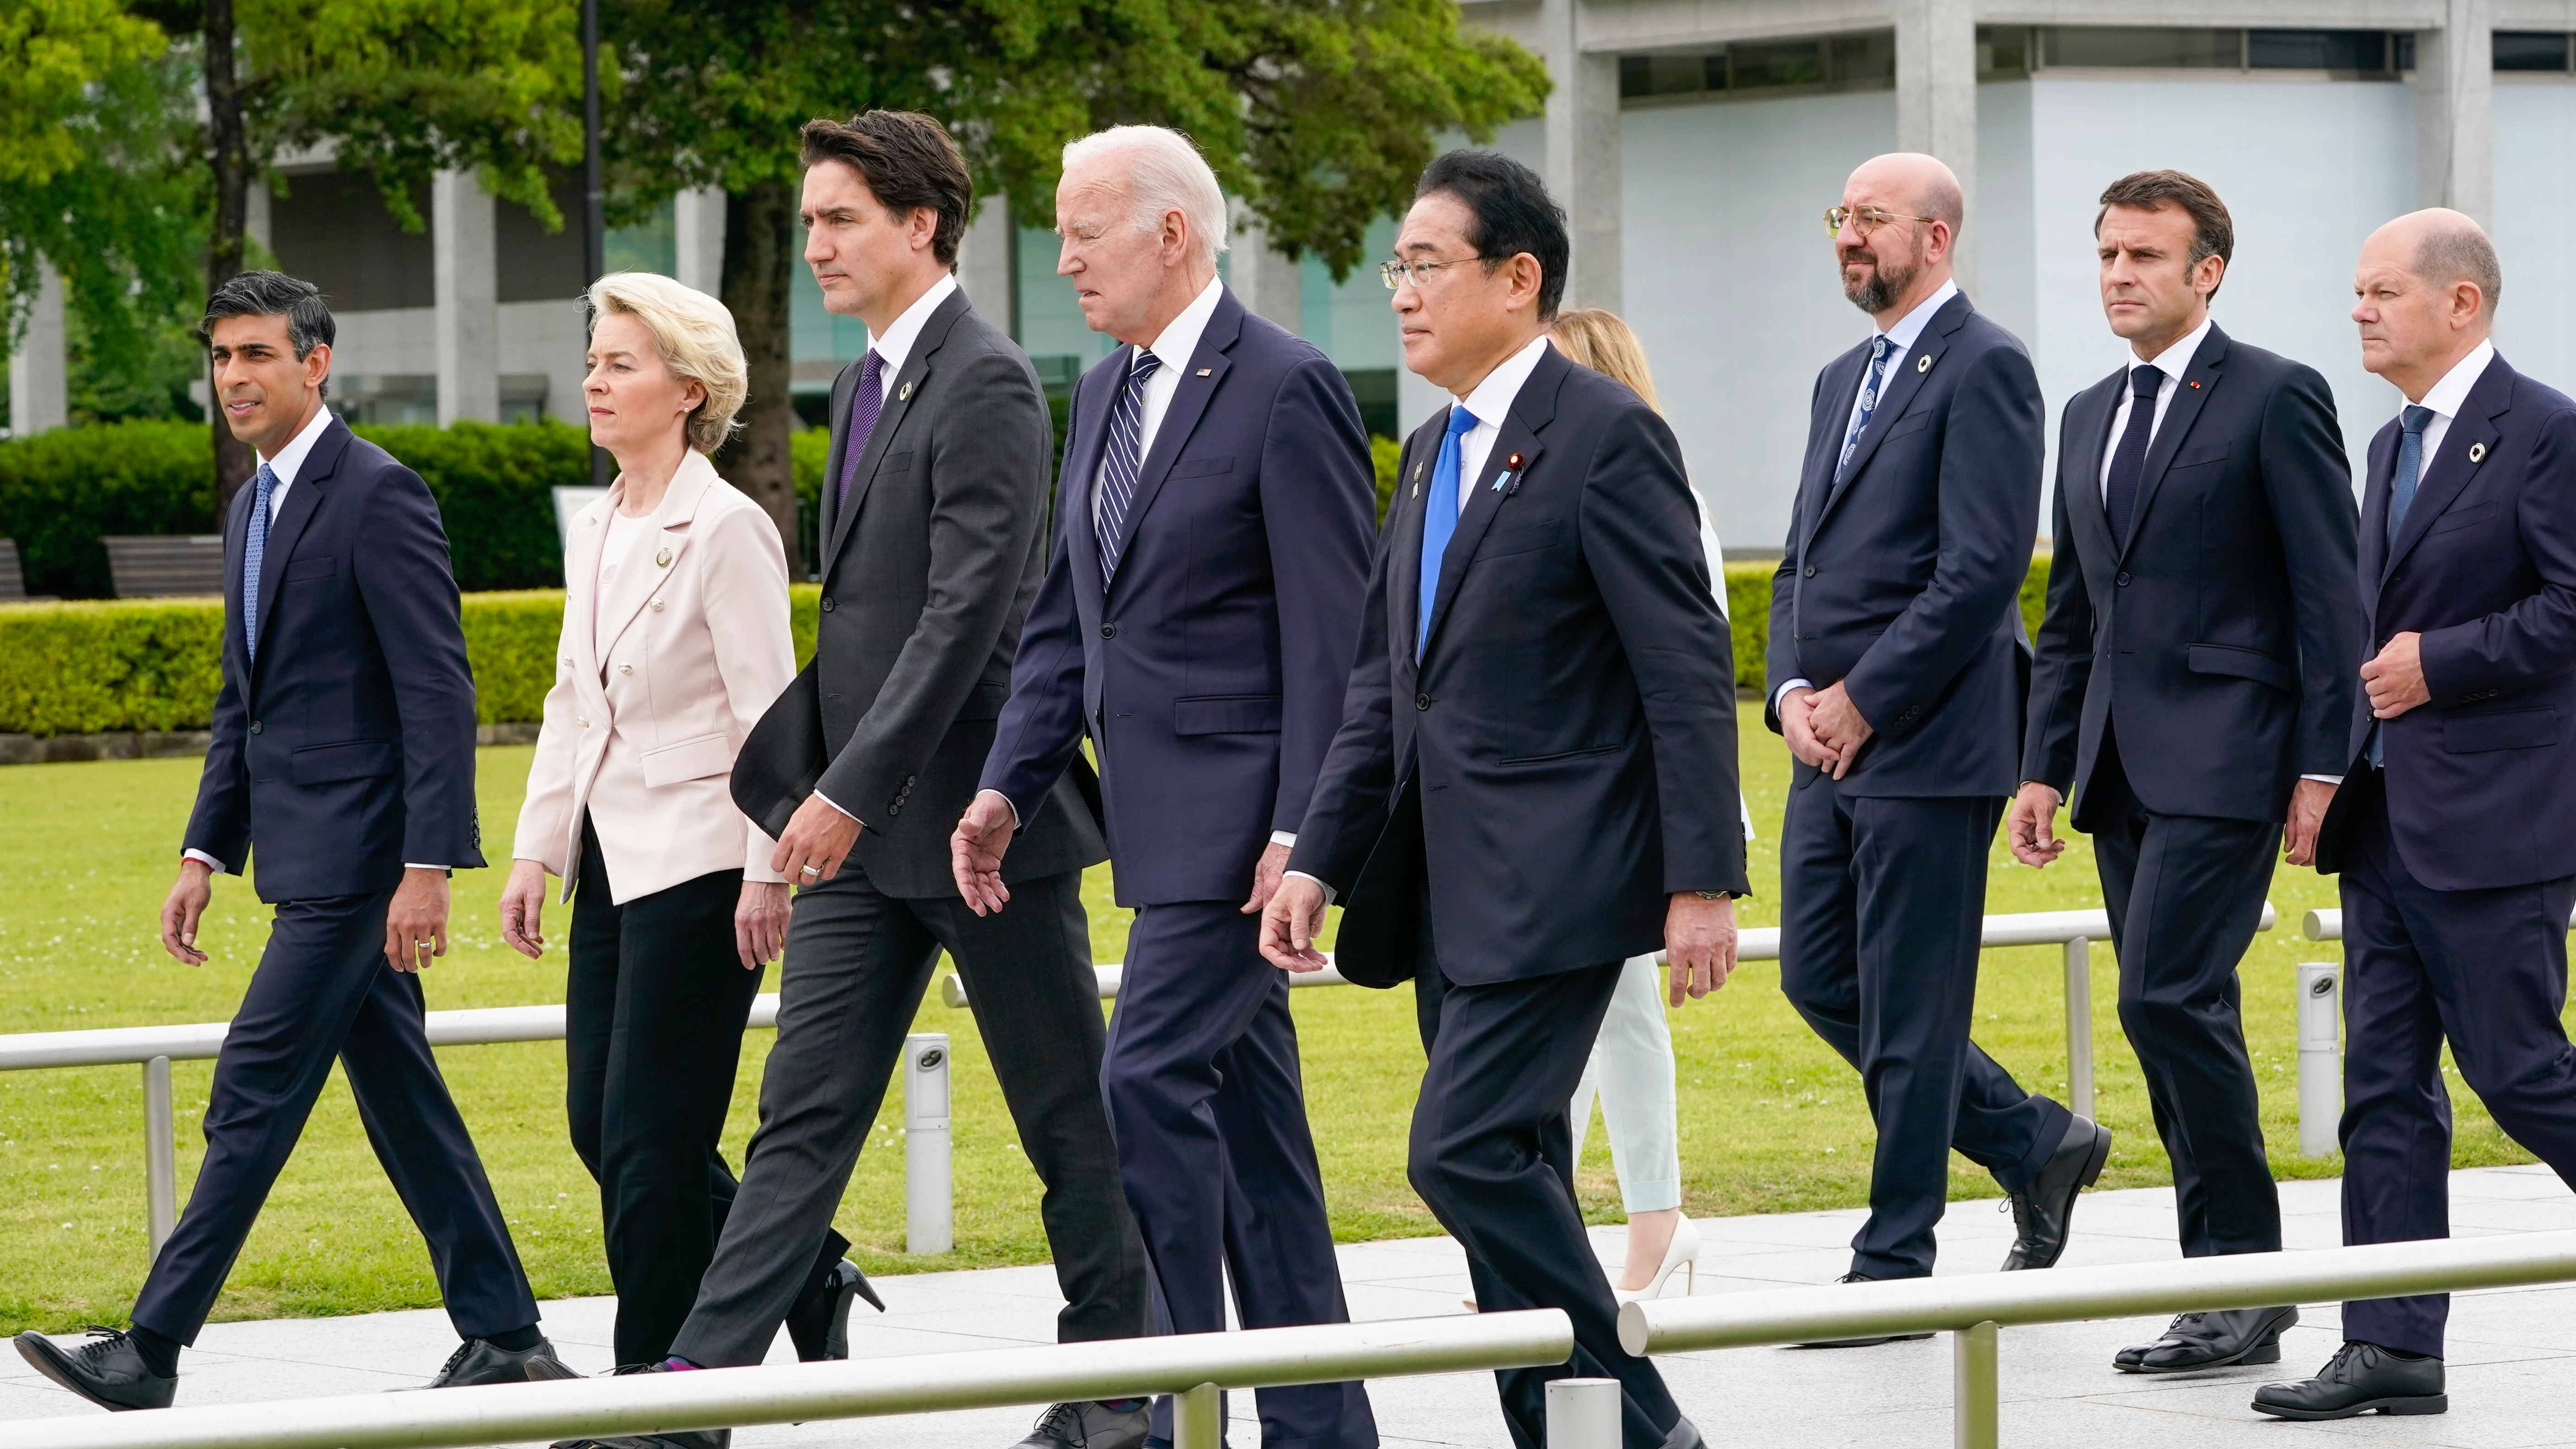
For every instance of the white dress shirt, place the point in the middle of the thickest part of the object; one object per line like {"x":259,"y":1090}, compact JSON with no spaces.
{"x":1489,"y":402}
{"x":1174,"y":346}
{"x":2451,"y":394}
{"x":290,"y":460}
{"x":1901,"y":338}
{"x":2172,"y":362}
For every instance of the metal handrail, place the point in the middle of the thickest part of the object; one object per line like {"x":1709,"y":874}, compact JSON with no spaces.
{"x":2326,"y":924}
{"x":1974,"y":1306}
{"x":1194,"y":1366}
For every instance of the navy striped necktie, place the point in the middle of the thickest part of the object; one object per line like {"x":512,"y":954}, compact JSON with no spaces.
{"x":1125,"y":458}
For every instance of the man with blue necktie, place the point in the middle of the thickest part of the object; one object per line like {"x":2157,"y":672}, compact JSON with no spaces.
{"x":1211,"y":541}
{"x":2453,"y":827}
{"x":343,"y":755}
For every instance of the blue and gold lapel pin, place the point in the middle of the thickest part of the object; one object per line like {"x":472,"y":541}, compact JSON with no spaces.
{"x":1509,"y":483}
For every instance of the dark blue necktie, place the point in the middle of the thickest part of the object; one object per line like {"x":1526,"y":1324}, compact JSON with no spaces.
{"x":2129,"y":460}
{"x":1125,"y":458}
{"x":2401,"y":496}
{"x":866,"y":401}
{"x":254,"y":553}
{"x":1879,"y":347}
{"x":1440,"y":517}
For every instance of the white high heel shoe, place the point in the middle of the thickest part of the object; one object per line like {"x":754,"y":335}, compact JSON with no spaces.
{"x":1682,"y":1252}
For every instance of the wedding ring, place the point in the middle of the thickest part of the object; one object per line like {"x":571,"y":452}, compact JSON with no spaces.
{"x":424,"y":945}
{"x":809,"y":870}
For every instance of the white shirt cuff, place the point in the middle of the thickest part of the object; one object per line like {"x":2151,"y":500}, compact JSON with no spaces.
{"x":2324,"y":779}
{"x":212,"y":864}
{"x":835,"y":804}
{"x":998,"y":795}
{"x":1287,"y":838}
{"x":416,"y":865}
{"x":1782,"y":692}
{"x":1319,"y":884}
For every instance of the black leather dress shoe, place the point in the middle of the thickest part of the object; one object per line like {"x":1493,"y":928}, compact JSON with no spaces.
{"x":2219,"y":1339}
{"x":819,"y":1324}
{"x":2043,"y":1211}
{"x":109,"y":1370}
{"x":1685,"y":1435}
{"x":683,"y":1439}
{"x":1087,"y":1425}
{"x":478,"y":1361}
{"x":2359,"y":1378}
{"x":1856,"y":1342}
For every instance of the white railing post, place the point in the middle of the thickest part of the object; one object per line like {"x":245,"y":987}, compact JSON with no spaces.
{"x":928,"y":1226}
{"x":160,"y":1155}
{"x":1583,"y":1414}
{"x":2320,"y":1059}
{"x":1198,"y":1418}
{"x":1976,"y":1417}
{"x":2079,"y":1026}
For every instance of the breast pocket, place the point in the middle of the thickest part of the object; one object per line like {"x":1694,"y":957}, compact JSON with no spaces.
{"x":2461,"y":516}
{"x":299,"y":569}
{"x":2200,"y":457}
{"x":1528,"y":538}
{"x":1908,"y":425}
{"x":691,"y":759}
{"x":1201,"y":467}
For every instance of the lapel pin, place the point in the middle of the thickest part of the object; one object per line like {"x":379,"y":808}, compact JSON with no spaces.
{"x":1923,"y":363}
{"x":663,"y":558}
{"x":2194,"y":383}
{"x":1205,"y":371}
{"x":903,"y":393}
{"x":2477,"y":452}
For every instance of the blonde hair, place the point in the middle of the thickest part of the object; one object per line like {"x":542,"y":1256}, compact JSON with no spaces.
{"x":1164,"y":173}
{"x":695,"y":336}
{"x":1597,"y":339}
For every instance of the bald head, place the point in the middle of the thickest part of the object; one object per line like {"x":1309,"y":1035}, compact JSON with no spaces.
{"x":1924,"y":184}
{"x":2425,"y":291}
{"x":2443,"y":248}
{"x":1903,"y":211}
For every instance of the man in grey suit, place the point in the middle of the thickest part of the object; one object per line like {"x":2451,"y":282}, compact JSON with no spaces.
{"x":933,"y":542}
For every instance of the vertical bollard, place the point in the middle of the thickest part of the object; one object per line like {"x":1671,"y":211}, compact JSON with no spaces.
{"x":1583,"y":1414}
{"x":1976,"y":1414}
{"x":2079,"y":1027}
{"x":160,"y":1155}
{"x":927,"y":1227}
{"x":2320,"y":1059}
{"x":1198,"y":1418}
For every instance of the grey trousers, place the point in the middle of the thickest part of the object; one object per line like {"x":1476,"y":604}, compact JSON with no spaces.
{"x":857,"y":963}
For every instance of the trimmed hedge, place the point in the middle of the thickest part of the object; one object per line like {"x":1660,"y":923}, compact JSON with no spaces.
{"x":154,"y":664}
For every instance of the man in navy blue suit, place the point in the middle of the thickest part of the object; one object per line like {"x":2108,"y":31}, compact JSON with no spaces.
{"x":2453,"y":827}
{"x":1897,"y":671}
{"x":1535,"y":776}
{"x":344,"y":755}
{"x":1196,"y":622}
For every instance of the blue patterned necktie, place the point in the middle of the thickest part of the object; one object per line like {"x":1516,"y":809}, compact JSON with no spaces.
{"x":1440,"y":517}
{"x":254,"y":552}
{"x":2401,"y":496}
{"x":1879,"y":347}
{"x":2129,"y":459}
{"x":866,"y":401}
{"x":1125,"y":457}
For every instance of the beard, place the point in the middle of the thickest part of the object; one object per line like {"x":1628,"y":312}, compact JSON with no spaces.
{"x":1878,"y":291}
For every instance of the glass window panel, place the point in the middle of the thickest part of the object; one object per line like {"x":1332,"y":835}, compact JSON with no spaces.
{"x":2142,"y":47}
{"x":2343,"y":50}
{"x":1778,"y":63}
{"x":2530,"y":50}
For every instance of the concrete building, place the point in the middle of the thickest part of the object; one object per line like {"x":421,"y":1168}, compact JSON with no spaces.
{"x":1696,"y":144}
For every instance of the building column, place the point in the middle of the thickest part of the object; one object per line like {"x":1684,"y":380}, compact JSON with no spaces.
{"x":1267,"y":283}
{"x":1936,"y":102}
{"x":1583,"y":153}
{"x":2455,"y":111}
{"x":984,"y":261}
{"x":468,"y":319}
{"x":698,"y":230}
{"x":39,"y":376}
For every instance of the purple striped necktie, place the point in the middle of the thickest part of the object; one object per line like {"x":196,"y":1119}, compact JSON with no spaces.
{"x":866,"y":401}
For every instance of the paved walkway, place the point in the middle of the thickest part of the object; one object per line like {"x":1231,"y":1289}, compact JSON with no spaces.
{"x":2512,"y":1352}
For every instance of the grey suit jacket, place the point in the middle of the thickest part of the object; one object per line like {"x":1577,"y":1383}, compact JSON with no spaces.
{"x":928,"y":568}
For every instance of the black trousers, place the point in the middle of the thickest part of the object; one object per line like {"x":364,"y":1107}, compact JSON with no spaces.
{"x":654,"y":1007}
{"x":2485,"y":970}
{"x":1208,"y":1105}
{"x":1492,"y":1153}
{"x":1882,"y":905}
{"x":324,"y":990}
{"x":2185,"y":894}
{"x":857,"y":963}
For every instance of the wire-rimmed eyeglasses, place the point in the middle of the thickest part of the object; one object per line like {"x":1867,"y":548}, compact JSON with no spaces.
{"x":1395,"y":274}
{"x":1863,"y":219}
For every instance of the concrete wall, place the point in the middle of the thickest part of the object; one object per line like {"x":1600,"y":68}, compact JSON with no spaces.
{"x":2535,"y":215}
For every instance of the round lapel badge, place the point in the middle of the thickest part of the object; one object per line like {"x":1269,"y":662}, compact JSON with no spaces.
{"x":663,"y":558}
{"x":2477,"y":452}
{"x":903,"y":393}
{"x":1923,"y":363}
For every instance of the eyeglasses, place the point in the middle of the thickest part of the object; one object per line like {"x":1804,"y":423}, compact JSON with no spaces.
{"x":1396,"y":274}
{"x":1863,"y":219}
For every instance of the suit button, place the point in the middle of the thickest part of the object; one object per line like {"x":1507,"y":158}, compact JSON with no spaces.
{"x":1108,"y":631}
{"x":1422,"y":701}
{"x":585,"y":722}
{"x":254,"y":726}
{"x":827,"y":604}
{"x":626,"y":669}
{"x":1811,"y":571}
{"x":2122,"y":580}
{"x":657,"y":606}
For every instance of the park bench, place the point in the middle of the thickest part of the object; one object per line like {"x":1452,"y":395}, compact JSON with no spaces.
{"x":165,"y":565}
{"x":13,"y":582}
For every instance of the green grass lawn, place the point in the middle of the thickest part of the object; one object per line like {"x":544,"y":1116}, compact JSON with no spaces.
{"x":1770,"y":1119}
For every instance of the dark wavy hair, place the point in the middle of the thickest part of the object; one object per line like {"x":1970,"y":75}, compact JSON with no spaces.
{"x":275,"y":294}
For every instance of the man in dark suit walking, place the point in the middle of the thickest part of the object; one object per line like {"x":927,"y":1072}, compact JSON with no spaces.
{"x":1211,"y":537}
{"x":2202,"y":621}
{"x":932,"y":541}
{"x":1535,"y":776}
{"x":344,"y":754}
{"x":1897,"y":668}
{"x":2453,"y":830}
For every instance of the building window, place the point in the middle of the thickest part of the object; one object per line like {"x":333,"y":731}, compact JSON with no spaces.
{"x":2533,"y":50}
{"x":333,"y":231}
{"x":1862,"y":61}
{"x":2347,"y":54}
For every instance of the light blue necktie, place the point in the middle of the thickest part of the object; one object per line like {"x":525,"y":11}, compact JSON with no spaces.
{"x":254,"y":550}
{"x":2401,"y":496}
{"x":1879,"y":347}
{"x":1126,"y":457}
{"x":1440,"y":517}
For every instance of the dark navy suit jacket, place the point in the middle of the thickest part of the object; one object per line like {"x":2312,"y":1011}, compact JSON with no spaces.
{"x":1904,"y":581}
{"x":1209,"y":674}
{"x":2482,"y":778}
{"x":349,"y":748}
{"x":2219,"y":646}
{"x":1562,"y":757}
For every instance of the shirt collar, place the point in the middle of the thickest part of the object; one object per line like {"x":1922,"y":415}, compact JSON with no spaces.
{"x":1493,"y":397}
{"x":2174,"y":360}
{"x":2448,"y":396}
{"x":290,"y":459}
{"x":896,"y":344}
{"x":1179,"y":339}
{"x":1911,"y":325}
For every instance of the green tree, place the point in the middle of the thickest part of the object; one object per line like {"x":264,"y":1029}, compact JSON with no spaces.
{"x":1318,"y":112}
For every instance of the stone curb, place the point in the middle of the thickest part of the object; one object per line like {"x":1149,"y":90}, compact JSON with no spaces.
{"x":175,"y":744}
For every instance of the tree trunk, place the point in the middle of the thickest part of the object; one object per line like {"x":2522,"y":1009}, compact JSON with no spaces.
{"x":233,"y":460}
{"x":759,"y":248}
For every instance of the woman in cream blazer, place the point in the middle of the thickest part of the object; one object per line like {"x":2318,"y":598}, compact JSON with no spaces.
{"x":675,"y":639}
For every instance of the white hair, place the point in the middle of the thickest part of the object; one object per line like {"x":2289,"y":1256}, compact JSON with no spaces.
{"x":694,"y":334}
{"x":1164,"y":173}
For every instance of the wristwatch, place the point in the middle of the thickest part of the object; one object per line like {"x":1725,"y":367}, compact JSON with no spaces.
{"x":1711,"y":895}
